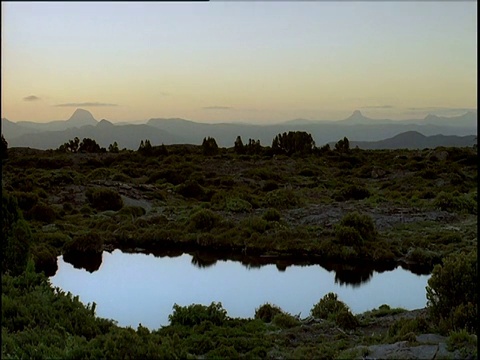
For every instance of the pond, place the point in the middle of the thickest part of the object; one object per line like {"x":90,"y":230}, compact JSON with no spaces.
{"x":134,"y":288}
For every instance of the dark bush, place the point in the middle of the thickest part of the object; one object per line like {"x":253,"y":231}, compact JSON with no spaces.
{"x":133,"y":211}
{"x":328,"y":307}
{"x":195,"y":314}
{"x":204,"y":219}
{"x":237,"y":205}
{"x":16,"y":237}
{"x":282,"y":199}
{"x":42,"y":212}
{"x":191,"y":189}
{"x":104,"y":199}
{"x":362,"y":223}
{"x":272,"y":215}
{"x":285,"y":321}
{"x":354,"y":192}
{"x":270,"y":185}
{"x":348,"y":236}
{"x":345,"y":319}
{"x":90,"y":242}
{"x":45,"y":258}
{"x":267,"y":312}
{"x":452,"y":293}
{"x":456,"y":202}
{"x":26,"y":200}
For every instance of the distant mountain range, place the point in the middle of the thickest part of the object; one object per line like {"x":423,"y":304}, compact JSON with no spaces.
{"x":415,"y":140}
{"x":365,"y":132}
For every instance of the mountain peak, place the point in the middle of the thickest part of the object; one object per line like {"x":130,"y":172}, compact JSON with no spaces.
{"x":356,"y":115}
{"x":82,"y":117}
{"x":104,"y":123}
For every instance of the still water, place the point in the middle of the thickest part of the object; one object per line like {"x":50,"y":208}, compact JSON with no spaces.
{"x":140,"y":288}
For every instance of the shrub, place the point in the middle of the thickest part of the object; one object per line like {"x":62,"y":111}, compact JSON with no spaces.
{"x":45,"y":258}
{"x":255,"y":224}
{"x":354,"y":192}
{"x":345,"y":319}
{"x":456,"y":202}
{"x":460,"y":340}
{"x":285,"y":321}
{"x":348,"y":236}
{"x":267,"y":312}
{"x":451,"y":292}
{"x":328,"y":307}
{"x":195,"y":314}
{"x":223,"y":352}
{"x":204,"y":219}
{"x":16,"y":237}
{"x":42,"y":212}
{"x":270,"y":185}
{"x":90,"y":242}
{"x":271,"y":215}
{"x":191,"y":189}
{"x":402,"y":328}
{"x":237,"y":205}
{"x":282,"y":199}
{"x":133,"y":211}
{"x":362,"y":223}
{"x":104,"y":199}
{"x":26,"y":200}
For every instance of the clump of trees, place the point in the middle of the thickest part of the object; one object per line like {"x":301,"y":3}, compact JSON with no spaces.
{"x":293,"y":142}
{"x":147,"y":149}
{"x":87,"y":145}
{"x":343,"y":145}
{"x":253,"y":147}
{"x":209,"y":146}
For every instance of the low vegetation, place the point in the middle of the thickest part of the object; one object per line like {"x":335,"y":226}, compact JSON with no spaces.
{"x":290,"y":200}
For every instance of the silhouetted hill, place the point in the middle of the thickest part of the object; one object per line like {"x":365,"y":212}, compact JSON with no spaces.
{"x":468,"y":119}
{"x":357,"y":118}
{"x":105,"y":133}
{"x":180,"y":131}
{"x":416,"y":140}
{"x":12,"y":130}
{"x":79,"y":118}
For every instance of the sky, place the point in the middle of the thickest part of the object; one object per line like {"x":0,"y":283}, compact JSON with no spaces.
{"x":238,"y":61}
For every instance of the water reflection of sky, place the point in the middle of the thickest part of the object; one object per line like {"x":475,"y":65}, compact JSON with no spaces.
{"x":139,"y":288}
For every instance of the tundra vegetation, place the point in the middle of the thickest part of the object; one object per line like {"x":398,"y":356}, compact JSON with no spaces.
{"x":291,"y":200}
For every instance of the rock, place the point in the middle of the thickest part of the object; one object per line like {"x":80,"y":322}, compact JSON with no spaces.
{"x":401,"y":350}
{"x":431,"y":338}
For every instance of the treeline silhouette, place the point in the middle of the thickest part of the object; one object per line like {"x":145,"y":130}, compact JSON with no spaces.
{"x":293,"y":142}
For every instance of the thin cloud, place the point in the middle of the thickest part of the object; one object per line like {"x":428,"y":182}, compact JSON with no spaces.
{"x":84,"y":104}
{"x":217,"y":108}
{"x":378,"y":107}
{"x":31,"y":98}
{"x":446,"y":109}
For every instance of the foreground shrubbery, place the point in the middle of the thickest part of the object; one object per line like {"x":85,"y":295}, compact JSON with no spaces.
{"x":330,"y":308}
{"x":104,"y":199}
{"x":452,"y":293}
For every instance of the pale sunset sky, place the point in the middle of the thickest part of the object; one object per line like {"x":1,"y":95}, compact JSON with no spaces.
{"x":242,"y":61}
